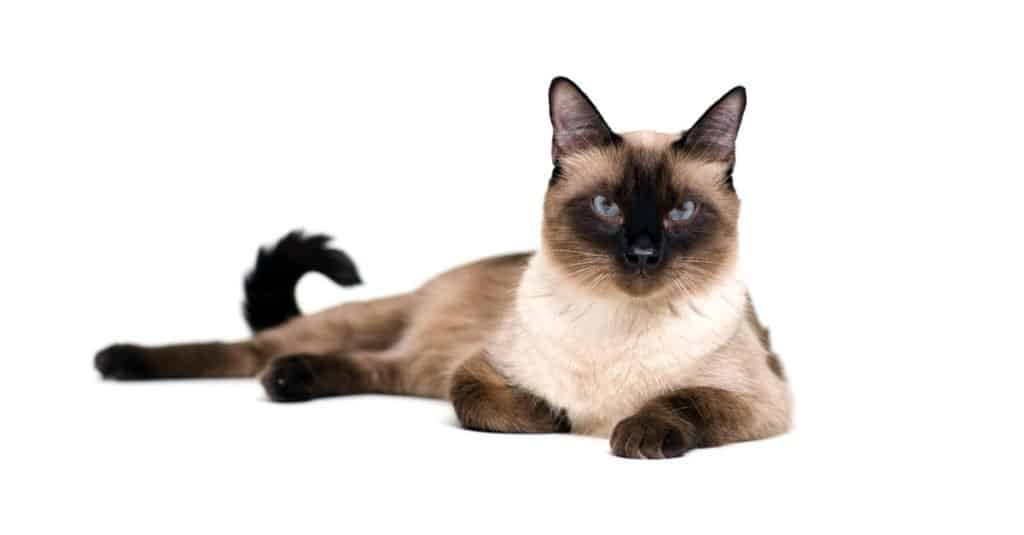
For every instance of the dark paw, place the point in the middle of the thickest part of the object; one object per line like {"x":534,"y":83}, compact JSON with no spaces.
{"x":648,"y":437}
{"x":289,"y":379}
{"x":561,"y":423}
{"x":122,"y":361}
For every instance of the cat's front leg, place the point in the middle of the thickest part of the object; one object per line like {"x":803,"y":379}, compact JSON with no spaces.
{"x":485,"y":401}
{"x":689,"y":418}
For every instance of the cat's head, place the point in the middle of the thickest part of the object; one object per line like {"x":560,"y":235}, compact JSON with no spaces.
{"x":643,"y":213}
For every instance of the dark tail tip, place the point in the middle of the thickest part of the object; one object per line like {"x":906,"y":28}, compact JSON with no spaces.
{"x":270,"y":286}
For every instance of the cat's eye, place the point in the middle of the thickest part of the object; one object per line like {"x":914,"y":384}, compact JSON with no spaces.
{"x":605,"y":207}
{"x":684,"y":213}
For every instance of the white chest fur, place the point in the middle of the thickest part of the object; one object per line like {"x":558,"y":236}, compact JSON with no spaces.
{"x":601,"y":359}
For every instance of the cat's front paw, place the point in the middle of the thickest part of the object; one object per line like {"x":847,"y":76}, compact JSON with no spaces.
{"x":121,"y":361}
{"x":649,"y":437}
{"x":289,"y":379}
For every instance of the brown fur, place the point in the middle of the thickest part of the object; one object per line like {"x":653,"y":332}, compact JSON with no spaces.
{"x":212,"y":359}
{"x":775,"y":365}
{"x":616,"y":171}
{"x":407,"y":344}
{"x":671,"y":425}
{"x":485,"y":401}
{"x":302,"y":377}
{"x":461,"y":335}
{"x":764,"y":335}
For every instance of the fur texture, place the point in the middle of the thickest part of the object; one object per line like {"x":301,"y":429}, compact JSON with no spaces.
{"x":629,"y":321}
{"x":270,"y":286}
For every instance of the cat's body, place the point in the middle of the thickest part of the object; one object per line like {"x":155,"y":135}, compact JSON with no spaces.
{"x":629,"y":322}
{"x":601,"y":360}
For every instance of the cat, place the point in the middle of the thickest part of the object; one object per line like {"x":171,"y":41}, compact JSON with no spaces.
{"x":628,"y":322}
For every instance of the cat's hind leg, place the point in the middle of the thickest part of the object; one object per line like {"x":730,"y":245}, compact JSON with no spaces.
{"x":350,"y":327}
{"x":208,"y":359}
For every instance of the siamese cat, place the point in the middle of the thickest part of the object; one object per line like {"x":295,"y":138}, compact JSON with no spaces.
{"x":630,"y":320}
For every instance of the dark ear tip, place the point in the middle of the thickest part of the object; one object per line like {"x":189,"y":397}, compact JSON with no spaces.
{"x":560,"y":81}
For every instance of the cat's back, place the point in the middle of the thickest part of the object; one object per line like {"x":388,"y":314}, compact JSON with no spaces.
{"x":464,"y":304}
{"x":484,"y":284}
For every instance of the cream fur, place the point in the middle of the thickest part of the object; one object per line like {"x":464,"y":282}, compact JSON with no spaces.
{"x":602,"y":357}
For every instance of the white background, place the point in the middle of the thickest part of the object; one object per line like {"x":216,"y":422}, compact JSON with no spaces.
{"x":146,"y":150}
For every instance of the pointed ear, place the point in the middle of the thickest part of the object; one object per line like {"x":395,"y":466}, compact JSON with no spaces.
{"x":576,"y":122}
{"x":713,"y":136}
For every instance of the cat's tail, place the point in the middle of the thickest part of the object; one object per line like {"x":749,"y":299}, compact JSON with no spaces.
{"x":270,"y":286}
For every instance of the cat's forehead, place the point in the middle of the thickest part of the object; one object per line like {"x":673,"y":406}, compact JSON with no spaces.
{"x":640,"y":157}
{"x":649,"y":140}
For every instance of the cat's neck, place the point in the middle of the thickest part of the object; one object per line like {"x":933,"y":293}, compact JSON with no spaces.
{"x":548,"y":295}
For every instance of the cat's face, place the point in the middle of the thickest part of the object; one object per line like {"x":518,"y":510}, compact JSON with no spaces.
{"x":643,"y":213}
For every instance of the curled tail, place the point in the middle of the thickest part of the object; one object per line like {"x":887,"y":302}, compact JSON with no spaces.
{"x":270,"y":286}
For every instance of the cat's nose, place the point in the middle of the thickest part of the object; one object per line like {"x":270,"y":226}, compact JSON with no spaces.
{"x":643,"y":246}
{"x":643,"y":252}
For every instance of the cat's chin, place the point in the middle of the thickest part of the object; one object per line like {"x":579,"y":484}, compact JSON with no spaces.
{"x":642,"y":286}
{"x":622,"y":287}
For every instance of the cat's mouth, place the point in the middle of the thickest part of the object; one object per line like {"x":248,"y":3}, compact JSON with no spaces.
{"x":639,"y":281}
{"x":642,"y":272}
{"x":642,"y":267}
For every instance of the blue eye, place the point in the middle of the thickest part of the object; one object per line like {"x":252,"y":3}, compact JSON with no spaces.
{"x":684,"y":212}
{"x":605,"y":208}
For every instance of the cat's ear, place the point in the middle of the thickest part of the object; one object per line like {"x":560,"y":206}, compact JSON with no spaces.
{"x":576,"y":122}
{"x":713,"y":136}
